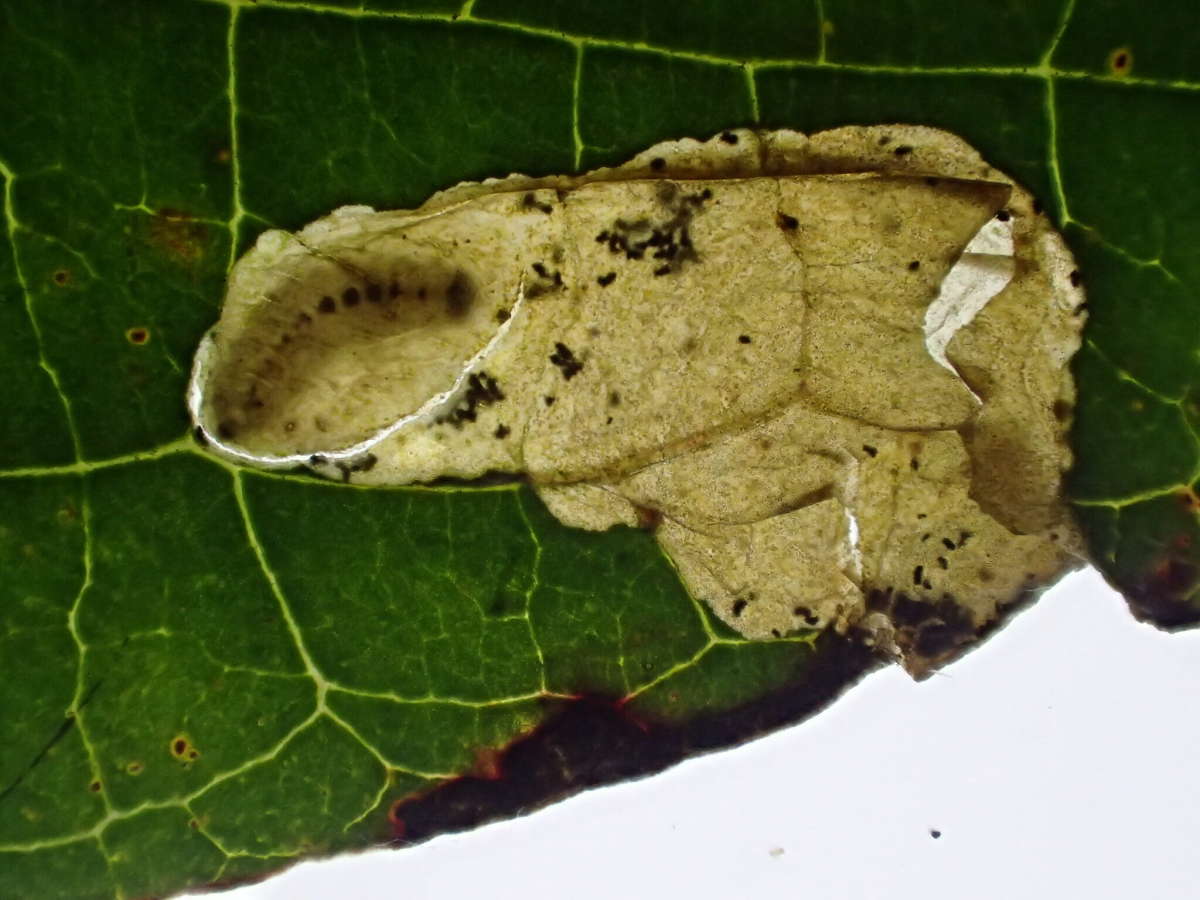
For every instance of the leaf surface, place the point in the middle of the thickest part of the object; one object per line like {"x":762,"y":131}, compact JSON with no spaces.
{"x":208,"y":673}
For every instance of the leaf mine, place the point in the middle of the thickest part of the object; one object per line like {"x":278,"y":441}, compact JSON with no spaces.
{"x":829,"y":375}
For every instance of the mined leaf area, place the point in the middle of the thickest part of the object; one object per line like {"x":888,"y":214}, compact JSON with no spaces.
{"x":207,"y":673}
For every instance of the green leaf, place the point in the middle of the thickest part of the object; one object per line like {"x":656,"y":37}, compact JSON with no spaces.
{"x":209,"y":673}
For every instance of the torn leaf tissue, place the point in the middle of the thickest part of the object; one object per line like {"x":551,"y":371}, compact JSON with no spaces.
{"x":831,"y":375}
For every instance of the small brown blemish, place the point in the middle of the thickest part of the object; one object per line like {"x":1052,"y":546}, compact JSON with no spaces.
{"x":137,"y":336}
{"x":914,"y":265}
{"x":986,"y":575}
{"x":502,"y":431}
{"x":182,"y":749}
{"x":743,"y":339}
{"x":903,"y":150}
{"x":786,"y":222}
{"x":606,"y":280}
{"x":739,"y":605}
{"x":134,"y":768}
{"x":61,"y":277}
{"x":503,"y":315}
{"x":648,"y":518}
{"x":94,"y":787}
{"x":1120,"y":62}
{"x":350,"y":296}
{"x":327,"y":305}
{"x":548,"y":400}
{"x":658,"y":164}
{"x":459,"y":296}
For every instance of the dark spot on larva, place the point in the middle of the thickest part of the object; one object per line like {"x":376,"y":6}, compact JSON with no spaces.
{"x":706,"y":194}
{"x":317,"y":460}
{"x":198,"y":435}
{"x":422,"y":293}
{"x":395,"y":290}
{"x":729,"y":137}
{"x":775,"y":633}
{"x":964,"y":536}
{"x":663,"y":270}
{"x":1061,"y":410}
{"x":61,"y":277}
{"x":1076,"y":278}
{"x":459,"y":295}
{"x":948,"y":544}
{"x":350,"y":296}
{"x":608,"y":421}
{"x":566,"y":361}
{"x":326,"y":305}
{"x":1003,"y":216}
{"x":1037,"y":206}
{"x":738,"y":606}
{"x":606,"y":280}
{"x":786,"y":222}
{"x":502,"y":431}
{"x":914,"y":265}
{"x":614,"y":398}
{"x":914,"y":464}
{"x":932,"y":181}
{"x":943,"y":562}
{"x":549,"y":401}
{"x":503,"y":315}
{"x":743,"y":338}
{"x":658,"y":164}
{"x":870,"y":451}
{"x":985,"y":575}
{"x":903,"y":150}
{"x":918,"y":575}
{"x":137,"y":335}
{"x":885,"y":140}
{"x":374,"y":292}
{"x":225,"y":431}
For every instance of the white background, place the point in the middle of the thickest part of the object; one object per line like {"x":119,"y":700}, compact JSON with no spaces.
{"x":1060,"y":760}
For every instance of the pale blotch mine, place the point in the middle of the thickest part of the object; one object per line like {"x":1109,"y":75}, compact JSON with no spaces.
{"x":830,"y":372}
